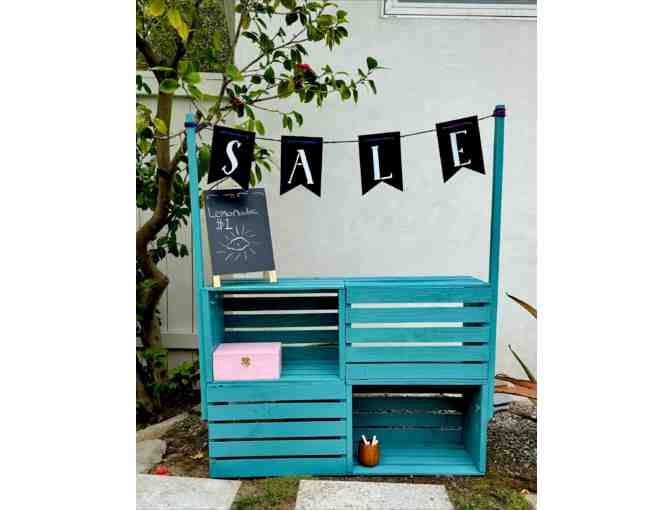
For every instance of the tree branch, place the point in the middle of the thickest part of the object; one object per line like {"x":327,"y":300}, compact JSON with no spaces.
{"x":146,"y":51}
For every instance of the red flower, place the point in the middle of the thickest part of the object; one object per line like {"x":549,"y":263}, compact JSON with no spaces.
{"x":305,"y":68}
{"x":161,"y":470}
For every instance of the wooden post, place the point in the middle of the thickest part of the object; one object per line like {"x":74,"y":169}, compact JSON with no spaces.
{"x":495,"y":239}
{"x":197,"y":255}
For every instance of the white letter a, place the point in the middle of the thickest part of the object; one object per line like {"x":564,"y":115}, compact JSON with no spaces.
{"x":303,"y":161}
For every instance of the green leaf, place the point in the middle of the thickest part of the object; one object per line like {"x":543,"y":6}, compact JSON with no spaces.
{"x":245,"y":21}
{"x":162,"y":68}
{"x":234,"y":73}
{"x":288,"y":4}
{"x":217,"y":41}
{"x":257,"y":172}
{"x":160,"y":125}
{"x":168,"y":86}
{"x":526,"y":369}
{"x":176,"y":21}
{"x":341,"y":14}
{"x":371,"y":63}
{"x":291,"y":18}
{"x":156,"y":8}
{"x":286,"y":88}
{"x":373,"y":86}
{"x":259,"y":126}
{"x":325,"y":20}
{"x":251,"y":36}
{"x":192,"y":78}
{"x":195,"y":91}
{"x":269,"y":75}
{"x":345,"y":93}
{"x":530,"y":309}
{"x":298,"y":117}
{"x":203,"y":161}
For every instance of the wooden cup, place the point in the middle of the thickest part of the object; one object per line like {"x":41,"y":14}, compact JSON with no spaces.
{"x":368,"y":454}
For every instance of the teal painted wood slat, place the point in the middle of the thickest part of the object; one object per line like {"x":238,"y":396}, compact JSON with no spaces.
{"x":395,"y":315}
{"x":407,"y":420}
{"x":341,"y":333}
{"x":246,"y":468}
{"x":459,"y":353}
{"x":420,"y":371}
{"x":276,"y":448}
{"x":281,"y":320}
{"x":419,"y":294}
{"x":276,"y":411}
{"x":283,"y":285}
{"x":279,"y":303}
{"x":410,"y":403}
{"x":415,"y":382}
{"x":251,"y":430}
{"x":350,"y":434}
{"x":197,"y":260}
{"x":431,"y":280}
{"x":385,"y":469}
{"x":310,"y":353}
{"x":495,"y":242}
{"x":448,"y":334}
{"x":286,"y":337}
{"x":476,"y":425}
{"x":420,"y":456}
{"x":260,"y":391}
{"x":417,"y":436}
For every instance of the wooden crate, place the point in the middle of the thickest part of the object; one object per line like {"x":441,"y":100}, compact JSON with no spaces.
{"x":412,"y":329}
{"x":306,"y":321}
{"x":277,"y":429}
{"x":422,"y":430}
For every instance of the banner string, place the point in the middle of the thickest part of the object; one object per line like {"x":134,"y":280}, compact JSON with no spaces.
{"x":266,"y":139}
{"x":415,"y":133}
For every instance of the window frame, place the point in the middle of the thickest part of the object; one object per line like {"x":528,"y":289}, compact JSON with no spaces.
{"x":400,"y":8}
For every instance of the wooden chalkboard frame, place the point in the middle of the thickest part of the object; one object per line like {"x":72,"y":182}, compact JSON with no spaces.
{"x":238,"y":226}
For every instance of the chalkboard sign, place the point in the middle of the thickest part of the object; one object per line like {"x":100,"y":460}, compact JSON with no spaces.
{"x":239,"y":232}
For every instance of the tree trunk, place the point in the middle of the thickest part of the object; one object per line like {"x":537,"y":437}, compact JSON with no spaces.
{"x":149,"y":297}
{"x":141,"y":396}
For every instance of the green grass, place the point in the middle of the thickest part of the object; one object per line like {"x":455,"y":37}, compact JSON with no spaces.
{"x":487,"y":494}
{"x":268,"y":493}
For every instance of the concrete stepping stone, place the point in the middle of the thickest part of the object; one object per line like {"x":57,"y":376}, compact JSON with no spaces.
{"x":154,"y":492}
{"x":158,"y":430}
{"x":336,"y":495}
{"x":148,"y":454}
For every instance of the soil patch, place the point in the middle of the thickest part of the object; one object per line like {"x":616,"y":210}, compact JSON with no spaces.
{"x":187,"y":450}
{"x":144,"y":419}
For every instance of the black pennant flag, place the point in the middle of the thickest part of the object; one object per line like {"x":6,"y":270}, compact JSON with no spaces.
{"x":301,"y":163}
{"x":460,"y":146}
{"x":380,"y":160}
{"x":231,"y":155}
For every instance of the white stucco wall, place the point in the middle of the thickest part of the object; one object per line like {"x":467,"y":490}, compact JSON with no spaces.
{"x":440,"y":69}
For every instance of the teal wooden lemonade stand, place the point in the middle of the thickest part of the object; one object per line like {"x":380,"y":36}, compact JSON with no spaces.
{"x":428,"y":405}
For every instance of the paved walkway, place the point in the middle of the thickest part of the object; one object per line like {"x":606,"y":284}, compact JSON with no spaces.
{"x":155,"y":492}
{"x":332,"y":495}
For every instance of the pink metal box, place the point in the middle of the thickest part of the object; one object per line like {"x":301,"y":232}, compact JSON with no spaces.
{"x":247,"y":361}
